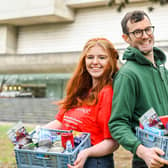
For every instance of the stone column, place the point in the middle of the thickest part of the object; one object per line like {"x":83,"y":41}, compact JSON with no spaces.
{"x":8,"y":42}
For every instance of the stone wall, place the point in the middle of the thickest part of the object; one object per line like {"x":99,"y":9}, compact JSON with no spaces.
{"x":27,"y":110}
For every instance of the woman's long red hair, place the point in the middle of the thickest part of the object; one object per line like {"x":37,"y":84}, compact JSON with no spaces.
{"x":80,"y":84}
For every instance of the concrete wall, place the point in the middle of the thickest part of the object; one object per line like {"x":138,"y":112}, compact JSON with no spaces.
{"x":38,"y":63}
{"x":89,"y":22}
{"x":24,"y":12}
{"x":27,"y":110}
{"x":47,"y":45}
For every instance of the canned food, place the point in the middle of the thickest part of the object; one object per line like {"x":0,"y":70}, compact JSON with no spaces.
{"x":65,"y":137}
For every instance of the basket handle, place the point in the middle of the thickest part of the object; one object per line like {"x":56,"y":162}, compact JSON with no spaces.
{"x":43,"y":156}
{"x":149,"y":137}
{"x":59,"y":131}
{"x":145,"y":135}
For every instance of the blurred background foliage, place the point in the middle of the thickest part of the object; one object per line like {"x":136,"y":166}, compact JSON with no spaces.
{"x":123,"y":4}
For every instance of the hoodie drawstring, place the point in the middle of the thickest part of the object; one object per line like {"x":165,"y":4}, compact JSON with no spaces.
{"x":164,"y":77}
{"x":155,"y":84}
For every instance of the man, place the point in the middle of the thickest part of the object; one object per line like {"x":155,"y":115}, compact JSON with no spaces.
{"x":140,"y":84}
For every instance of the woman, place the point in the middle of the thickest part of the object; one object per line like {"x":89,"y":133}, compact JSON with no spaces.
{"x":87,"y":105}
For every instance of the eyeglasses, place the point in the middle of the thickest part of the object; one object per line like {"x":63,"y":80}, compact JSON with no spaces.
{"x":139,"y":32}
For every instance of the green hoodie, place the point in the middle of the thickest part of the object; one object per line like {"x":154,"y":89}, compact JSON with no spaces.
{"x":138,"y":86}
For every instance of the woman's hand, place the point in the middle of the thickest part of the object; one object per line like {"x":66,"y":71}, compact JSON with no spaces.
{"x":103,"y":148}
{"x":81,"y":159}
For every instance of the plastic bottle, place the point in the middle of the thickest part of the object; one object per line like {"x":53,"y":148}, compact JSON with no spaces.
{"x":68,"y":146}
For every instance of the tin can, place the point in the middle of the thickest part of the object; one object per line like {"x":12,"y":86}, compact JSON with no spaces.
{"x":65,"y":137}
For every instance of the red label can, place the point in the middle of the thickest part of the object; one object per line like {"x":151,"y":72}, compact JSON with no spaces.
{"x":65,"y":137}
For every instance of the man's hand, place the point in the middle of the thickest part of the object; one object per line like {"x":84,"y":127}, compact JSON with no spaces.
{"x":151,"y":156}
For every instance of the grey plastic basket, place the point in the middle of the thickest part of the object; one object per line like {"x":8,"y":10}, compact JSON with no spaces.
{"x":149,"y":139}
{"x":30,"y":158}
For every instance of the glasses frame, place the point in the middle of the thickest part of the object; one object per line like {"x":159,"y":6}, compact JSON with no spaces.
{"x":142,"y":31}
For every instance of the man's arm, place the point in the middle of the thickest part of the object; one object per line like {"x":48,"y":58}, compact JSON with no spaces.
{"x":121,"y":122}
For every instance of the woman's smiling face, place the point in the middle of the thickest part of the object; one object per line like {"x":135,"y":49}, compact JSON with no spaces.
{"x":96,"y":60}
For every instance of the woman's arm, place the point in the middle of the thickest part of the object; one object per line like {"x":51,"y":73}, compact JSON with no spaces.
{"x":53,"y":125}
{"x":103,"y":148}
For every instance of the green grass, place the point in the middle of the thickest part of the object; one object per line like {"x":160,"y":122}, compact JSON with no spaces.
{"x":7,"y":156}
{"x":6,"y":147}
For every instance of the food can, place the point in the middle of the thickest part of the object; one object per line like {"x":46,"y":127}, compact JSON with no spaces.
{"x":65,"y":137}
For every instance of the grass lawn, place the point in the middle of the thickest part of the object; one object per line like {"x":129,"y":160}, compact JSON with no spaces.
{"x":7,"y":157}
